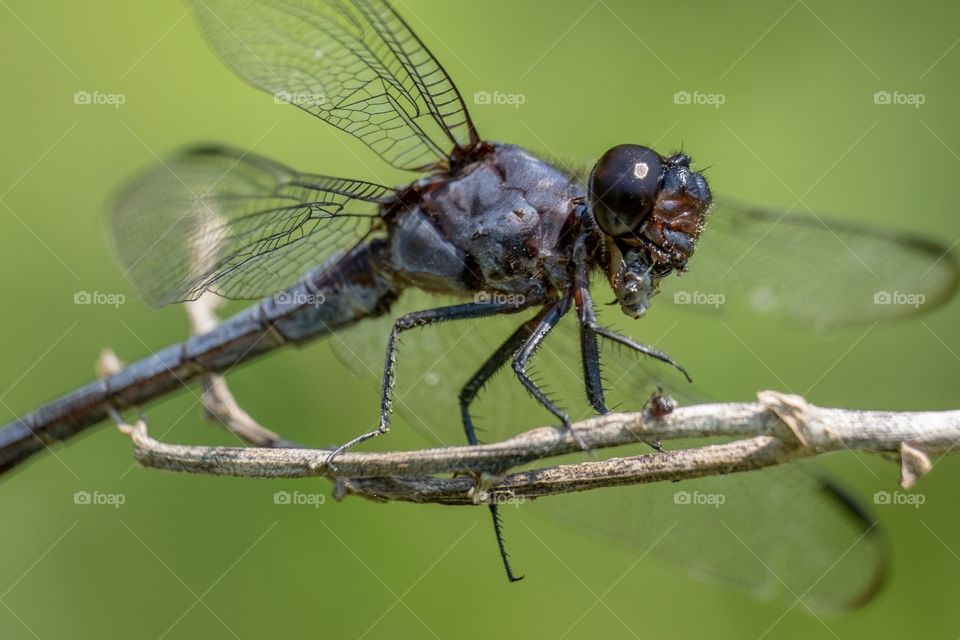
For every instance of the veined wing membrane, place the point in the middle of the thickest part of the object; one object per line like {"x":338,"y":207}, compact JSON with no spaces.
{"x":814,"y":270}
{"x":239,"y":225}
{"x":354,"y":64}
{"x":781,"y":533}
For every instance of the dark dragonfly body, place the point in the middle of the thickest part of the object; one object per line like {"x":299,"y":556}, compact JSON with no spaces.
{"x":489,"y":223}
{"x":503,"y":227}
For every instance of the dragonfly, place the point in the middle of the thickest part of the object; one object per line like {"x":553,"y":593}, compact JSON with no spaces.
{"x":499,"y":252}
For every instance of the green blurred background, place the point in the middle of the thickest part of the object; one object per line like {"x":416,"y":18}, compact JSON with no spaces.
{"x":197,"y":557}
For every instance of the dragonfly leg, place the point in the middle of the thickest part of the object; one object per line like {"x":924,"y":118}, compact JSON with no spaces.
{"x":411,"y":321}
{"x":499,"y":358}
{"x":469,"y":393}
{"x":522,"y":358}
{"x":629,"y":342}
{"x":589,"y":351}
{"x":590,"y":354}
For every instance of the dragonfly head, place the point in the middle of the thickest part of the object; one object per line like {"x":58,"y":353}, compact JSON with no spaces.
{"x":651,"y":210}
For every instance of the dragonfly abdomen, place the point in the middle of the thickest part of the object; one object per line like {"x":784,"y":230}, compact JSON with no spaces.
{"x":329,"y":298}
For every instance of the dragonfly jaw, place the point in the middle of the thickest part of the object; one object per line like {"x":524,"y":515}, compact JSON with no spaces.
{"x":634,"y":282}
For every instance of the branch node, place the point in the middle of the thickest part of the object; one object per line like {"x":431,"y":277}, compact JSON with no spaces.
{"x":108,"y":363}
{"x":793,"y":411}
{"x":137,"y":431}
{"x":914,"y":464}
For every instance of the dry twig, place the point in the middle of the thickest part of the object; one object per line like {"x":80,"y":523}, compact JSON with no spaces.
{"x":777,"y":429}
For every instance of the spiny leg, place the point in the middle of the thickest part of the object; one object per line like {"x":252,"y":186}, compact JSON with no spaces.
{"x":589,"y":325}
{"x":469,"y":393}
{"x":591,"y":356}
{"x":589,"y":351}
{"x":636,"y":346}
{"x":522,"y":358}
{"x":411,"y":320}
{"x":499,"y":358}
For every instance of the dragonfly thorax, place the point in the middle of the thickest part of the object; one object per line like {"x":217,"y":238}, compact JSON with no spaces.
{"x":502,"y":224}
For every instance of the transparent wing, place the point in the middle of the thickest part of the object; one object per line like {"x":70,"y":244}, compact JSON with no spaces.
{"x":432,"y":365}
{"x":354,"y":64}
{"x":813,"y":270}
{"x":435,"y":362}
{"x":240,"y":225}
{"x":784,"y":533}
{"x":778,"y":533}
{"x":781,"y":533}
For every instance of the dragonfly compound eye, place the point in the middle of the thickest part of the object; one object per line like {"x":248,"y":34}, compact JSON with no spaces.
{"x":623,"y":187}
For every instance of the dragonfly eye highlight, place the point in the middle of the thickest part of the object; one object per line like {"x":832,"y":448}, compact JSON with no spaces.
{"x":624,"y":185}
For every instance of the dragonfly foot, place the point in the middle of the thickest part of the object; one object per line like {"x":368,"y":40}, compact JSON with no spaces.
{"x":568,"y":428}
{"x":363,"y":437}
{"x":480,"y":492}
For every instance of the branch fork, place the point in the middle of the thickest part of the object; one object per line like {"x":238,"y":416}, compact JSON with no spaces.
{"x":777,"y":429}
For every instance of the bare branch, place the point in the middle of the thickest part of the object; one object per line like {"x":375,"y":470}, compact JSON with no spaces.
{"x":217,"y":399}
{"x":776,"y":430}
